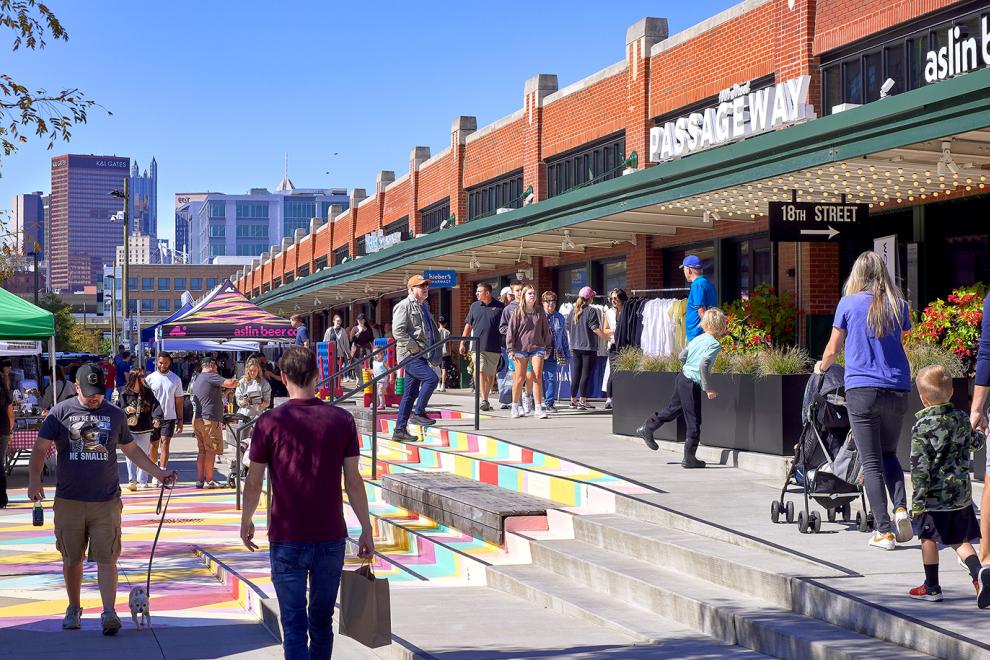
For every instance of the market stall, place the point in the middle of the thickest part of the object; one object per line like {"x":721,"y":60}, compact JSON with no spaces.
{"x":226,"y":315}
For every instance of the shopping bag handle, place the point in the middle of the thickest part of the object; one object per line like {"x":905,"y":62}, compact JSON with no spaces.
{"x":366,"y":570}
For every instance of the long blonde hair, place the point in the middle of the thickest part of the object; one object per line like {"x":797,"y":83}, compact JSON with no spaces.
{"x":521,"y":310}
{"x":869,"y":274}
{"x":579,"y":306}
{"x":252,"y":362}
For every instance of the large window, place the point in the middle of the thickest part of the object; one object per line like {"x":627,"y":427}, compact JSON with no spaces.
{"x":164,"y":305}
{"x":400,"y":226}
{"x":147,"y":305}
{"x":303,"y":270}
{"x":252,"y":230}
{"x":504,"y":192}
{"x":614,"y":274}
{"x":218,"y":250}
{"x":147,"y":284}
{"x":163,"y":284}
{"x":748,"y":264}
{"x":211,"y":282}
{"x":132,"y":283}
{"x":218,"y":209}
{"x":570,"y":279}
{"x":178,"y":284}
{"x":673,"y":276}
{"x":250,"y":249}
{"x":320,"y":263}
{"x":362,"y":248}
{"x":252,"y":210}
{"x":592,"y":163}
{"x":196,"y":283}
{"x":218,"y":230}
{"x":434,"y":215}
{"x":296,"y":214}
{"x":340,"y":254}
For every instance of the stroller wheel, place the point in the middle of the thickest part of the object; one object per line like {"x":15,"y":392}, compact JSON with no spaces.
{"x":861,"y":522}
{"x":816,"y":521}
{"x":802,"y":522}
{"x":789,"y":512}
{"x":775,"y":511}
{"x":831,"y":514}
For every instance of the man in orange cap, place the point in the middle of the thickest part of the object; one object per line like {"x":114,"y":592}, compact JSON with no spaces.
{"x":415,"y":332}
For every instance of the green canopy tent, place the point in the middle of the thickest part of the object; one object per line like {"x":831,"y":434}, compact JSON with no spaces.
{"x":20,"y":320}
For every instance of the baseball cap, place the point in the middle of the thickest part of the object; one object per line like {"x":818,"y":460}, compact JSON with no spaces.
{"x":416,"y":280}
{"x":587,"y":293}
{"x":89,"y":380}
{"x":506,"y":290}
{"x":691,"y":261}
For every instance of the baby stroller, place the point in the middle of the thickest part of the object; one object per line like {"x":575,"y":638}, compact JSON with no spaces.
{"x":826,"y":464}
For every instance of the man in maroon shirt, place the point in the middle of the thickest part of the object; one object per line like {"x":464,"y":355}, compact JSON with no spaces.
{"x":306,"y":444}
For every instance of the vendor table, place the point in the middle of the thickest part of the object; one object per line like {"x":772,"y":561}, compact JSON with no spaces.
{"x":22,"y":442}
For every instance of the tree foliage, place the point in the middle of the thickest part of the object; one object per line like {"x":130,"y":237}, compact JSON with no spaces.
{"x":64,"y":323}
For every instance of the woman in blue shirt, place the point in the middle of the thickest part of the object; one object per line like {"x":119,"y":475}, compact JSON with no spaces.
{"x":869,"y":321}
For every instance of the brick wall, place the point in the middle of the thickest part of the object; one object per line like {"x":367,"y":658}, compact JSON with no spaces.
{"x":494,"y":153}
{"x":841,"y":22}
{"x":436,"y":181}
{"x":584,"y":116}
{"x":397,"y":203}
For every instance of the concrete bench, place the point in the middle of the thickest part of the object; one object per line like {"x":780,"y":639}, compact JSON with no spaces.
{"x":472,"y":507}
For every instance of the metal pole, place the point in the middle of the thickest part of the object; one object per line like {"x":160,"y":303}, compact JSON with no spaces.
{"x":35,"y":255}
{"x":477,"y":384}
{"x":113,"y":313}
{"x":237,"y":469}
{"x":125,"y":269}
{"x":374,"y":432}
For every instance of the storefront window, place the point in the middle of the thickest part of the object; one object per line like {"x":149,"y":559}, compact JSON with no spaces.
{"x":613,"y":275}
{"x":853,"y":87}
{"x":570,"y":279}
{"x":673,"y":258}
{"x":873,"y":75}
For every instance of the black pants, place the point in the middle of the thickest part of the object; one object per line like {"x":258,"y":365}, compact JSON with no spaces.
{"x":685,"y":400}
{"x":584,"y":366}
{"x":875,"y":416}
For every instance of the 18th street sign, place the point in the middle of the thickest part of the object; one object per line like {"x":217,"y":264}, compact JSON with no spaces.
{"x":817,"y":221}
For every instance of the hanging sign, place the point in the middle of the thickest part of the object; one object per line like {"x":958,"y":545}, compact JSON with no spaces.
{"x":817,"y":222}
{"x":886,"y":247}
{"x":377,"y":240}
{"x":739,"y":114}
{"x":441,"y":279}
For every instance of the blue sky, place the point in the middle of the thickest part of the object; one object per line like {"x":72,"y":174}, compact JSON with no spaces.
{"x":218,"y":91}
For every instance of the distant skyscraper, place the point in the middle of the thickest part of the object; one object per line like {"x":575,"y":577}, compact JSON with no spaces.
{"x":187,"y":205}
{"x":29,"y":222}
{"x":82,"y":237}
{"x":144,"y":199}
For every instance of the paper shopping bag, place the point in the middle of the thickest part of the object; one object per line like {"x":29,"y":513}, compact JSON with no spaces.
{"x":365,"y":609}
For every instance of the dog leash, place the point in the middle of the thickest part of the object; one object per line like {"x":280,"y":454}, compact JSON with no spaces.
{"x":160,"y":510}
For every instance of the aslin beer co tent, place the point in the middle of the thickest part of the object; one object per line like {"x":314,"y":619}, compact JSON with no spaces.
{"x":21,"y":321}
{"x":224,"y":315}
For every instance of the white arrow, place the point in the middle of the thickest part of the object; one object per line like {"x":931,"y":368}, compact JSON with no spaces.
{"x":831,"y":233}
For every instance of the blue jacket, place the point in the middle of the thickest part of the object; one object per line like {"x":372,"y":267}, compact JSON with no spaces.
{"x":558,"y":329}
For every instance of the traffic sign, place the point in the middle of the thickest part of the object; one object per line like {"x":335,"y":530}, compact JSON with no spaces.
{"x":818,"y":222}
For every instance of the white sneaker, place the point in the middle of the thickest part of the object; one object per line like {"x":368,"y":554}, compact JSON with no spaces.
{"x":527,"y":405}
{"x":212,"y":484}
{"x":143,"y":486}
{"x":902,"y":522}
{"x":882,"y":541}
{"x":515,"y":411}
{"x":541,"y":412}
{"x":132,"y":486}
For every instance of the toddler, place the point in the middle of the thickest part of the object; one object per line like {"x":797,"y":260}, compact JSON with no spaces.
{"x":377,"y":369}
{"x":942,"y":441}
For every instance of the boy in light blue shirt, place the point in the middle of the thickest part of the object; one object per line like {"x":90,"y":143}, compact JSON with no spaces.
{"x":698,"y":357}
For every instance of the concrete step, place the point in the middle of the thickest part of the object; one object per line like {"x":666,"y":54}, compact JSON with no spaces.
{"x":719,"y":612}
{"x":557,"y":593}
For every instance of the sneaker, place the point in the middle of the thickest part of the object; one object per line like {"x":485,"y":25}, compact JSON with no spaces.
{"x":585,"y":406}
{"x":403,"y":434}
{"x":421,"y":420}
{"x":541,"y":412}
{"x":527,"y":405}
{"x":211,"y":484}
{"x":200,"y":484}
{"x":504,"y":406}
{"x":73,"y":616}
{"x":983,"y":588}
{"x":132,"y":486}
{"x":647,"y":436}
{"x":902,"y":523}
{"x":143,"y":486}
{"x":110,"y":622}
{"x":692,"y":463}
{"x":882,"y":540}
{"x":574,"y":404}
{"x":924,"y":593}
{"x":485,"y":406}
{"x":549,"y":407}
{"x":516,"y":412}
{"x":608,"y":404}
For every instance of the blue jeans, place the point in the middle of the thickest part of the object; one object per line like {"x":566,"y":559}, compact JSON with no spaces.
{"x":549,"y":382}
{"x":293,"y":563}
{"x":420,"y":383}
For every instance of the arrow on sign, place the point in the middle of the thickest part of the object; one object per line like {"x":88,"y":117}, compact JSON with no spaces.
{"x":831,"y":233}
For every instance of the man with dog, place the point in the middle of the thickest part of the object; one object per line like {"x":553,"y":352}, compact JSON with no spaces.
{"x":87,"y":430}
{"x":306,"y":444}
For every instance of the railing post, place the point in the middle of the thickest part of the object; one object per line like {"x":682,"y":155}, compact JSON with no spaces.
{"x":237,"y":468}
{"x":477,"y":384}
{"x":374,"y":432}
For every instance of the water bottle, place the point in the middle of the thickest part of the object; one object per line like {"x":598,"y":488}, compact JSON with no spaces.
{"x":38,"y":515}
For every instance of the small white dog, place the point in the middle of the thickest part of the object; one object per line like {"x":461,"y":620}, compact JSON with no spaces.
{"x":138,"y":602}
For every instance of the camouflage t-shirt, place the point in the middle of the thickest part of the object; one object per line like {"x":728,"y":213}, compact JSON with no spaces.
{"x":942,"y":443}
{"x":86,"y":441}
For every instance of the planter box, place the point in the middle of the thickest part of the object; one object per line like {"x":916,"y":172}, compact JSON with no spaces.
{"x":960,"y":397}
{"x":750,"y":414}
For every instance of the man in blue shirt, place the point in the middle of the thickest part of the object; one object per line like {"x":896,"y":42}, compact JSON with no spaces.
{"x":122,"y":363}
{"x":701,"y":297}
{"x":302,"y":334}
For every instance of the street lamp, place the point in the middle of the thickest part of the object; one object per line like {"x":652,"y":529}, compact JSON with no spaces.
{"x":124,"y":268}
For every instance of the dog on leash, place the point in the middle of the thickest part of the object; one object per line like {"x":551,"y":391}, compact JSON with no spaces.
{"x":138,"y":602}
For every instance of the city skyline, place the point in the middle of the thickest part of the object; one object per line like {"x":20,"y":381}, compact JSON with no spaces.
{"x":232,"y":147}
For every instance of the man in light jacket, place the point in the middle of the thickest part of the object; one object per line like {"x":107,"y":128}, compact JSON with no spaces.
{"x":414,"y":332}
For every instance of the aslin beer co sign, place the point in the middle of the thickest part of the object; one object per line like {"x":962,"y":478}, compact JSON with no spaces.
{"x":961,"y":53}
{"x":740,"y":113}
{"x":817,"y":222}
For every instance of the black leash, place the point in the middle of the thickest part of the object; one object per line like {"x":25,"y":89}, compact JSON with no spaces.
{"x":159,"y":511}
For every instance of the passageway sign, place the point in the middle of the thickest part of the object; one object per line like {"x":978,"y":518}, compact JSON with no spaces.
{"x":818,"y":222}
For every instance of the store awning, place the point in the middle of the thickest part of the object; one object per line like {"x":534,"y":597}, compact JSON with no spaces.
{"x":877,"y":154}
{"x":226,"y":314}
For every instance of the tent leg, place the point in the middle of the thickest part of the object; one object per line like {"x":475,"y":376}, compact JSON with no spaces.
{"x":51,"y":361}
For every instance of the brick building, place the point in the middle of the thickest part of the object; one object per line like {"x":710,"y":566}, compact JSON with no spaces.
{"x":680,"y":147}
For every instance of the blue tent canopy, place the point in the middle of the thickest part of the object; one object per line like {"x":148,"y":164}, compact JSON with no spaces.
{"x":148,"y":334}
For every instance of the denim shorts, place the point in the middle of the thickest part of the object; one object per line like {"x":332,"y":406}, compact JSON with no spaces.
{"x":529,"y":354}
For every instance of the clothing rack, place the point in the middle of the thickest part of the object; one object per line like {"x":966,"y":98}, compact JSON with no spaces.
{"x":573,"y":296}
{"x":682,"y":289}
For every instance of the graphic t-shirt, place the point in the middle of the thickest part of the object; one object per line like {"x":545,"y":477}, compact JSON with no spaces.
{"x":166,"y":387}
{"x":208,"y":397}
{"x":304,"y":443}
{"x":86,"y":441}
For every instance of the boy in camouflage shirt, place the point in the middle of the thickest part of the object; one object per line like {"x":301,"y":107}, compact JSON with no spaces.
{"x":942,"y":443}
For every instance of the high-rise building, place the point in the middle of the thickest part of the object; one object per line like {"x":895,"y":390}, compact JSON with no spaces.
{"x":29,"y":223}
{"x":82,"y":237}
{"x":144,"y":251}
{"x":247,"y":225}
{"x":144,"y":199}
{"x":187,"y":205}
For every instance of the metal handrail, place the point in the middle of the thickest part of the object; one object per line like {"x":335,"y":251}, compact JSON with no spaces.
{"x":238,"y":433}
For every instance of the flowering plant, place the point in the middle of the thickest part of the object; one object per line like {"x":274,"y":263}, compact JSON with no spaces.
{"x":953,"y":324}
{"x":765,"y":318}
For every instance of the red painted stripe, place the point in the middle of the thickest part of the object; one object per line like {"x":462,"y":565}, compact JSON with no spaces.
{"x":488,"y":473}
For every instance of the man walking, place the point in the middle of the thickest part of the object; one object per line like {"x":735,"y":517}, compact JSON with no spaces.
{"x":701,"y":297}
{"x":306,"y":436}
{"x":168,"y":390}
{"x":208,"y":406}
{"x":121,"y":365}
{"x":87,"y":430}
{"x":414,"y":332}
{"x":302,"y":334}
{"x":560,"y":352}
{"x":483,"y":322}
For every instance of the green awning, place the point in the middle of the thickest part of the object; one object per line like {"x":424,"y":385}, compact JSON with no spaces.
{"x":19,"y":319}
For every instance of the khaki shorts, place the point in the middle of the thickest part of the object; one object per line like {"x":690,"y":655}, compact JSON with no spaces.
{"x":209,"y":437}
{"x":96,"y":524}
{"x":489,"y":363}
